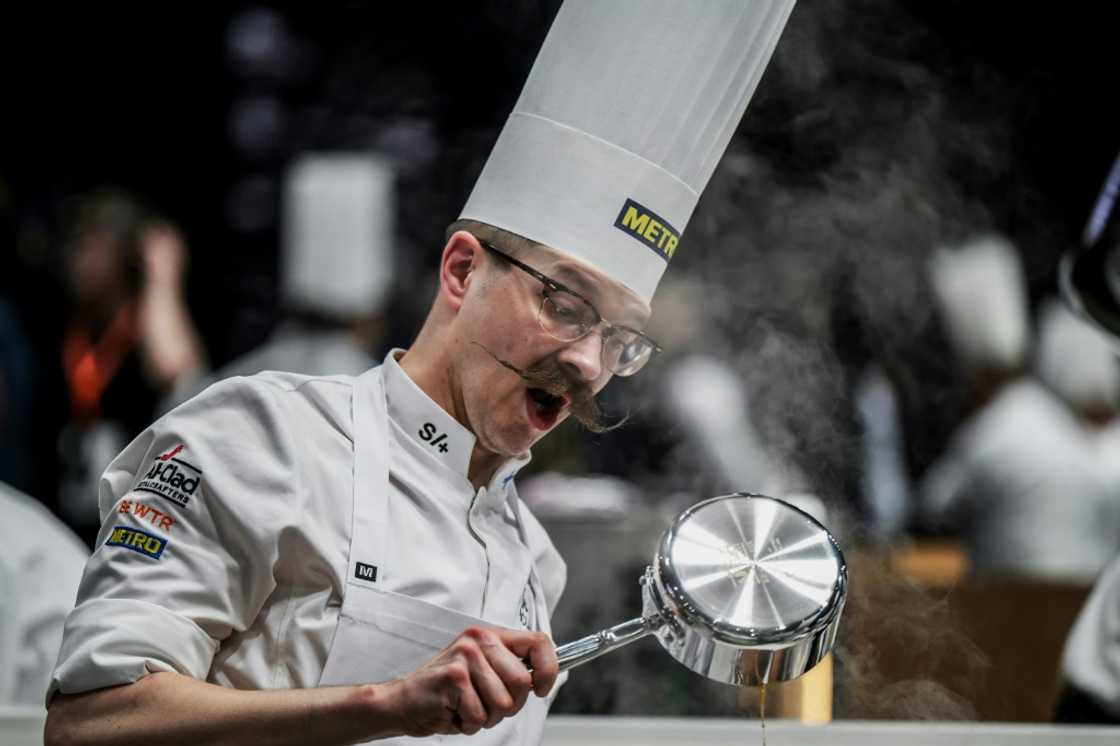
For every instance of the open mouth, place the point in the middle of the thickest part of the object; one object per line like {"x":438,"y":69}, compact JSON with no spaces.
{"x":543,"y":407}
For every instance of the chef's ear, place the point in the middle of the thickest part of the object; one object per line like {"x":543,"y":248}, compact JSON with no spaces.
{"x":462,"y":256}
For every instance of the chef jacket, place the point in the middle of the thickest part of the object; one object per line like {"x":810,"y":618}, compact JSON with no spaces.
{"x":40,"y":566}
{"x":227,"y":551}
{"x":1039,"y":487}
{"x":290,"y":348}
{"x":1091,"y":659}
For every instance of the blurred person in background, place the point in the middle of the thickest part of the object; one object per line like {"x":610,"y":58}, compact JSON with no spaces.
{"x":337,"y":272}
{"x":17,"y":394}
{"x":1030,"y":478}
{"x":126,"y":339}
{"x":884,"y":479}
{"x":356,"y":545}
{"x":708,"y":397}
{"x":40,"y":568}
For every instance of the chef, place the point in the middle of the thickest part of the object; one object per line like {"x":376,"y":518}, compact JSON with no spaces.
{"x":292,"y":559}
{"x":337,"y":268}
{"x":31,"y":615}
{"x":1090,"y":283}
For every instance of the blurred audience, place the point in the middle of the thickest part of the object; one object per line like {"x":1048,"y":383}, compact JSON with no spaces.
{"x":127,"y":338}
{"x":1031,"y":478}
{"x":981,"y":293}
{"x":17,"y":388}
{"x":338,"y":269}
{"x":884,"y":479}
{"x":708,"y":399}
{"x":40,"y":568}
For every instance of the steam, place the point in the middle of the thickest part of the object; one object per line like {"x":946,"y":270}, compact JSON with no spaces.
{"x":891,"y":626}
{"x":854,"y":163}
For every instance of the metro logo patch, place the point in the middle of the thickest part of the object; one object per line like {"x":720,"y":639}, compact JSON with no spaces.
{"x":171,"y":477}
{"x":649,"y":228}
{"x":138,"y":541}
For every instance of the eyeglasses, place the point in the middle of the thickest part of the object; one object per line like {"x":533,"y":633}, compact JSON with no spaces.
{"x":568,"y":316}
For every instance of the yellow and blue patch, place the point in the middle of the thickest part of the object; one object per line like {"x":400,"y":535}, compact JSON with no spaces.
{"x":649,"y":228}
{"x":138,"y":541}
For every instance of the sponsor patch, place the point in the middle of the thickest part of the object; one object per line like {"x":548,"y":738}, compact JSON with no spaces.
{"x":171,"y":454}
{"x":171,"y":477}
{"x":362,"y":571}
{"x":138,"y":541}
{"x":649,"y":228}
{"x":430,"y":435}
{"x":157,"y":518}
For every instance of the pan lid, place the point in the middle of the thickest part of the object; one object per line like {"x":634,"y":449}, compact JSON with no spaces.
{"x":752,"y":570}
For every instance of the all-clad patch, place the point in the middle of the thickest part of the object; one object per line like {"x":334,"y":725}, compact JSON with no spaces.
{"x":172,"y":478}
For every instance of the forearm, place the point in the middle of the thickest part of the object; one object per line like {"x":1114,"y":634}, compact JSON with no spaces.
{"x":171,"y":347}
{"x":172,"y":709}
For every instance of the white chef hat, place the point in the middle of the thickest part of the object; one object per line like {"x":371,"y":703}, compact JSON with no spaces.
{"x":1075,"y":359}
{"x":338,"y":233}
{"x":621,"y":122}
{"x":982,"y":292}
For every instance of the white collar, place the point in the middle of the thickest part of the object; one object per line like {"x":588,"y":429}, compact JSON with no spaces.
{"x":431,"y":427}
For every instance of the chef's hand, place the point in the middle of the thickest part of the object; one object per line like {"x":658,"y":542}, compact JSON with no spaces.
{"x":474,"y":682}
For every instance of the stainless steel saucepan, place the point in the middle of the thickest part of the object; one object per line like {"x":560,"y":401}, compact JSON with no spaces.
{"x":744,"y":589}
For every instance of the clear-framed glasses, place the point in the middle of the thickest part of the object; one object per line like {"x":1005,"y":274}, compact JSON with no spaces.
{"x":568,"y":316}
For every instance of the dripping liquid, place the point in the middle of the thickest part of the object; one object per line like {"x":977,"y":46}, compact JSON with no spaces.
{"x":762,"y":710}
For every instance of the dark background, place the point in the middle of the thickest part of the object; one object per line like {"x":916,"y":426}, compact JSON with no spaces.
{"x":142,"y":98}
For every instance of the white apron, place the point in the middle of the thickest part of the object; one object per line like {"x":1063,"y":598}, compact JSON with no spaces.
{"x":382,"y":635}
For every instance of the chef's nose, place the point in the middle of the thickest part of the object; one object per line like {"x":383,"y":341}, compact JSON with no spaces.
{"x":585,"y":356}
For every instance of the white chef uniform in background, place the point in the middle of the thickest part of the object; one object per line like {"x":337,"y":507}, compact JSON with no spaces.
{"x":40,"y":566}
{"x":1040,"y":486}
{"x":1091,"y":658}
{"x":337,"y":261}
{"x":304,"y":495}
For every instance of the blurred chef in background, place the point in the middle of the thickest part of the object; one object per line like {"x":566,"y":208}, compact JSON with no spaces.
{"x":884,"y":480}
{"x":355,"y":545}
{"x":1090,"y":283}
{"x":18,"y":375}
{"x":40,"y":567}
{"x":337,"y":271}
{"x":129,"y":339}
{"x":1030,"y":478}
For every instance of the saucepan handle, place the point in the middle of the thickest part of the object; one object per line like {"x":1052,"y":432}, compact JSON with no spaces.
{"x":580,"y":651}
